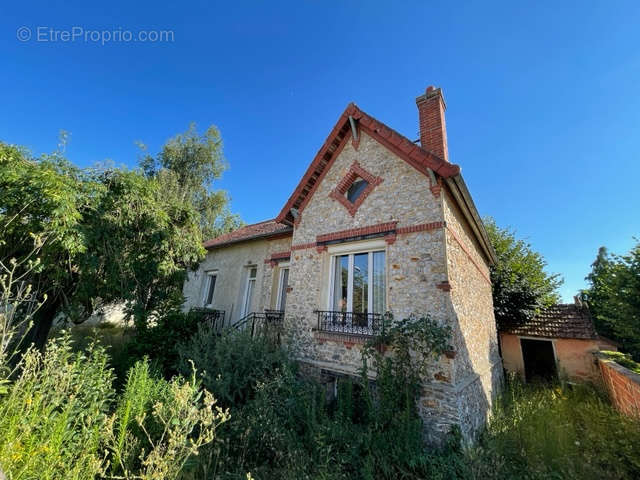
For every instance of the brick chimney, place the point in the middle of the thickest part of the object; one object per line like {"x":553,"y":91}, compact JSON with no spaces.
{"x":433,"y":131}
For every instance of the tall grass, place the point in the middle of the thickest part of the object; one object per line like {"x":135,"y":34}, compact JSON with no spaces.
{"x":560,"y":431}
{"x":53,"y":419}
{"x":61,"y":419}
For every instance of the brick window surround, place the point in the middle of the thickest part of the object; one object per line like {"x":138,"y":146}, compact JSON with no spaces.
{"x":340,"y":192}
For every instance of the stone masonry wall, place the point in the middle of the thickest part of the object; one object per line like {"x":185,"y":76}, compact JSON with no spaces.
{"x":415,"y":266}
{"x":478,"y":369}
{"x":403,"y":195}
{"x":231,"y":262}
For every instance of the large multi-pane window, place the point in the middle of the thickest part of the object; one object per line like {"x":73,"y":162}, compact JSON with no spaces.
{"x":359,"y":281}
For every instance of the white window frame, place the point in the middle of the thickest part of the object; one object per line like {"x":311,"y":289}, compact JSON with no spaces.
{"x":282,"y":267}
{"x":207,"y":285}
{"x":352,"y":249}
{"x":246,"y":308}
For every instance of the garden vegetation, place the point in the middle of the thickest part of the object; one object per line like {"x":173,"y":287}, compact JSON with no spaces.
{"x":178,"y":399}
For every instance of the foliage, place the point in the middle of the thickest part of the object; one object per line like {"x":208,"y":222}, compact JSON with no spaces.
{"x":115,"y":338}
{"x":521,"y":286}
{"x":230,"y":364}
{"x":162,"y":341}
{"x":141,"y":241}
{"x":614,"y":297}
{"x":188,"y":165}
{"x":159,"y":425}
{"x":42,"y":203}
{"x":414,"y":342}
{"x":18,"y":304}
{"x":102,"y":236}
{"x":61,"y":419}
{"x":283,"y":426}
{"x":623,"y":359}
{"x":53,"y":420}
{"x":569,"y":432}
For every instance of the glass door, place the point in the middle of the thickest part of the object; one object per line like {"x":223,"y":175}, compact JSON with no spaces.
{"x":282,"y":289}
{"x":248,"y":294}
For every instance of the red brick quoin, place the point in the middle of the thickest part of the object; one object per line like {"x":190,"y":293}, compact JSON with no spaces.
{"x":355,"y":172}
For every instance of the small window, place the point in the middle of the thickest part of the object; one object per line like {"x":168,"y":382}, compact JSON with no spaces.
{"x":211,"y":287}
{"x":356,"y":189}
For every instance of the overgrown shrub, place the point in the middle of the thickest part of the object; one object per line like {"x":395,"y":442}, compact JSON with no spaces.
{"x":230,"y":363}
{"x":623,"y":359}
{"x":61,"y":419}
{"x":54,"y":419}
{"x":283,"y":427}
{"x":159,"y":342}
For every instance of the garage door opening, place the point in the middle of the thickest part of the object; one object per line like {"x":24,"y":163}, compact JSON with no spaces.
{"x":539,"y":360}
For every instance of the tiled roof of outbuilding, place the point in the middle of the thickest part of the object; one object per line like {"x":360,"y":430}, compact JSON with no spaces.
{"x":266,"y":229}
{"x":558,"y":321}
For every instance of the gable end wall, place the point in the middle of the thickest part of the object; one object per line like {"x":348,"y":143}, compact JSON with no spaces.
{"x":478,"y":368}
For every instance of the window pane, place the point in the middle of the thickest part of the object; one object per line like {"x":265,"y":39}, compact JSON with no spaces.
{"x":356,"y":189}
{"x":360,"y":283}
{"x":212,"y":287}
{"x":379,"y":283}
{"x":283,"y":287}
{"x":252,"y":273}
{"x":340,"y":283}
{"x":249,"y":298}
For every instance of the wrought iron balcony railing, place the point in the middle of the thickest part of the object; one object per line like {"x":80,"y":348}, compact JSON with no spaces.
{"x":351,"y":322}
{"x":215,"y":318}
{"x":268,"y":324}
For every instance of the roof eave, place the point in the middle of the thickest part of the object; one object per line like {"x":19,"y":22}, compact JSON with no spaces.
{"x":462,"y":196}
{"x":415,"y":155}
{"x":282,"y":233}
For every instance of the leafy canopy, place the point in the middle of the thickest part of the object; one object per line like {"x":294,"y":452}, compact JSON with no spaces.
{"x":614,"y":297}
{"x":107,"y":235}
{"x":188,"y":166}
{"x":521,"y":286}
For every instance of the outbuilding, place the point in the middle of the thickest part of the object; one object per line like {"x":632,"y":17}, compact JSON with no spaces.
{"x":557,"y":342}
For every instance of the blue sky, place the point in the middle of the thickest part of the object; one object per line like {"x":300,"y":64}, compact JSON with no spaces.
{"x":543,"y":105}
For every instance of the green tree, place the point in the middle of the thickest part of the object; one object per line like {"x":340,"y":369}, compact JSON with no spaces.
{"x":42,"y":204}
{"x":188,"y":165}
{"x":614,"y":297}
{"x":101,"y":235}
{"x":141,"y":240}
{"x":521,"y":286}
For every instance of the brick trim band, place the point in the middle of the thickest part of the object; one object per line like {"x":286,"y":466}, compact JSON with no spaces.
{"x":357,"y":232}
{"x":423,"y":227}
{"x":280,"y":255}
{"x":303,"y":246}
{"x":390,"y":228}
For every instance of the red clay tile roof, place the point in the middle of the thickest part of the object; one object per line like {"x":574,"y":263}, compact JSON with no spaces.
{"x":413,"y":154}
{"x":558,"y":321}
{"x":266,"y":229}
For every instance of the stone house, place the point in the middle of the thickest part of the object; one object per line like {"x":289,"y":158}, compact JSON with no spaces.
{"x":378,"y":223}
{"x":560,"y":341}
